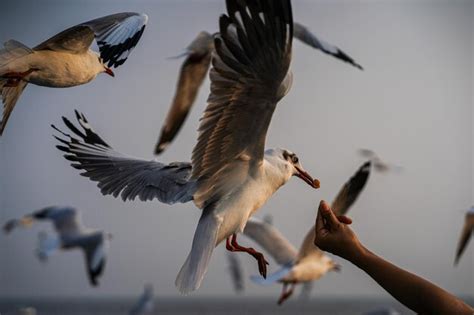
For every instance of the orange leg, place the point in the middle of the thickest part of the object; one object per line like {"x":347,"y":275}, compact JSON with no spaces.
{"x":285,"y":294}
{"x":233,"y":246}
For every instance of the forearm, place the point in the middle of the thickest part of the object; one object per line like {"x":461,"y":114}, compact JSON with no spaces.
{"x":414,"y":292}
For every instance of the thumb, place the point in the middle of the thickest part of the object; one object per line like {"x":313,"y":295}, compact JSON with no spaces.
{"x":319,"y":219}
{"x":328,"y":215}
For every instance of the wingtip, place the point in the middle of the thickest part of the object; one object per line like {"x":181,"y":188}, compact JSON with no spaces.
{"x":160,"y":147}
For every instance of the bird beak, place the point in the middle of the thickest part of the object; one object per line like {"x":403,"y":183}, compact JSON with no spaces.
{"x":26,"y":221}
{"x":307,"y":178}
{"x":109,"y":72}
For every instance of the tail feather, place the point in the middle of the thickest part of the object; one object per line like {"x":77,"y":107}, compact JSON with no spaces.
{"x":10,"y":96}
{"x":192,"y":273}
{"x":274,"y":277}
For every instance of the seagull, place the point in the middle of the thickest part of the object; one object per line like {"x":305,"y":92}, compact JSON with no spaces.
{"x":196,"y":65}
{"x":309,"y":263}
{"x":231,"y":175}
{"x":379,"y":164}
{"x":145,"y":304}
{"x":66,"y":60}
{"x":466,"y":234}
{"x":72,"y":234}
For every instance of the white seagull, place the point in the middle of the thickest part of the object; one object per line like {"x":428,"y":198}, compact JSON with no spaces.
{"x":145,"y":304}
{"x":231,"y":175}
{"x":72,"y":234}
{"x":195,"y":67}
{"x":309,"y":263}
{"x":466,"y":234}
{"x":65,"y":59}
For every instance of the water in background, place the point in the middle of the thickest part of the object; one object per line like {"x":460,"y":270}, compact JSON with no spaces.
{"x":238,"y":305}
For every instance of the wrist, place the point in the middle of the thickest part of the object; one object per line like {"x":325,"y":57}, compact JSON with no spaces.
{"x":357,"y":254}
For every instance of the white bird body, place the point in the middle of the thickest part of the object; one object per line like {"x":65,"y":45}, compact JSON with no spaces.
{"x":62,"y":69}
{"x":309,"y":269}
{"x":245,"y":200}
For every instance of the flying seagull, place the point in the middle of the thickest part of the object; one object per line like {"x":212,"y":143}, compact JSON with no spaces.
{"x":378,"y":164}
{"x":309,"y":263}
{"x":145,"y":304}
{"x":66,"y":60}
{"x":466,"y":234}
{"x":72,"y":234}
{"x":196,"y":65}
{"x":231,"y":175}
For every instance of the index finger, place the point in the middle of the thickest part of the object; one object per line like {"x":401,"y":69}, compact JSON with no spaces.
{"x":319,"y":218}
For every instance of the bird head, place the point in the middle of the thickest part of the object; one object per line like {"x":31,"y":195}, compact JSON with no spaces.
{"x":292,"y":166}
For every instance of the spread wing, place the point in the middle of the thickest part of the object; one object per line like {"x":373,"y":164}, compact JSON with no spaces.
{"x":192,"y":75}
{"x":249,"y":67}
{"x":118,"y":174}
{"x":271,"y":240}
{"x":308,"y":249}
{"x":116,"y":36}
{"x":351,"y":190}
{"x":303,"y":34}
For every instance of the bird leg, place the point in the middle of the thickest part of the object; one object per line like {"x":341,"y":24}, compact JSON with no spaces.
{"x":14,"y":78}
{"x":285,"y":294}
{"x":233,"y":246}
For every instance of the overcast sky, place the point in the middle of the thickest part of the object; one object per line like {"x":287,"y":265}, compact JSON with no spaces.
{"x":412,"y":105}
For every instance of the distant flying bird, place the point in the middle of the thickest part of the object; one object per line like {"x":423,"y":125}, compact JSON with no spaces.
{"x":466,"y":234}
{"x":231,"y":175}
{"x":72,"y":234}
{"x":145,"y":304}
{"x":236,"y":272}
{"x":65,"y":60}
{"x":379,"y":164}
{"x":195,"y":67}
{"x":310,"y":263}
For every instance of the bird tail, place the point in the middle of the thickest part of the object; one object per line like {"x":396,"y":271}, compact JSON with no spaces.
{"x":274,"y":277}
{"x":191,"y":274}
{"x":10,"y":92}
{"x":47,"y":245}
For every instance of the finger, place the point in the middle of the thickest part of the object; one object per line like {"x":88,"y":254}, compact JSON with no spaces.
{"x":319,"y":219}
{"x":344,"y":219}
{"x":328,"y":215}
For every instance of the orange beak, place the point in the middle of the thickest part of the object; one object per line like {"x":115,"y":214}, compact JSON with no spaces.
{"x":109,"y":72}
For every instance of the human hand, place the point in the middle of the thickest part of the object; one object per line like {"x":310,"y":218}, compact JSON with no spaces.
{"x":333,"y":234}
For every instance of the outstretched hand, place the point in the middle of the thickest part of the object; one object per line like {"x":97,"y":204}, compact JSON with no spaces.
{"x":333,"y":234}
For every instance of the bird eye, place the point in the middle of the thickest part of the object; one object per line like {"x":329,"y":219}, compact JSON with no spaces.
{"x":294,"y":159}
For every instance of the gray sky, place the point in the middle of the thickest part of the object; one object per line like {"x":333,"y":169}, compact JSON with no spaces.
{"x":413,"y":105}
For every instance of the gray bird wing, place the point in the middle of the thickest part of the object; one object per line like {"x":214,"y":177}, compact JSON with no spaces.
{"x":351,"y":190}
{"x":118,"y":174}
{"x":249,"y":67}
{"x":466,"y":234}
{"x":116,"y":36}
{"x":268,"y":237}
{"x":192,"y":74}
{"x":95,"y":250}
{"x":303,"y":34}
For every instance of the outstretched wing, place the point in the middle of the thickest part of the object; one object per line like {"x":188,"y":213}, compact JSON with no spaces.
{"x":192,"y":75}
{"x":249,"y":67}
{"x":267,"y":236}
{"x":116,"y":36}
{"x":118,"y":174}
{"x":351,"y":190}
{"x":304,"y":35}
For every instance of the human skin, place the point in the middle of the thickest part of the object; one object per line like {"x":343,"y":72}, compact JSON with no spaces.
{"x":333,"y":234}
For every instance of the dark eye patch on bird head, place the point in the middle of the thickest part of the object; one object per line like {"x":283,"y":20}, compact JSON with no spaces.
{"x":43,"y":214}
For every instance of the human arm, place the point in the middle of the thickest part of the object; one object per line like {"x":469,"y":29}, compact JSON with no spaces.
{"x":335,"y":236}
